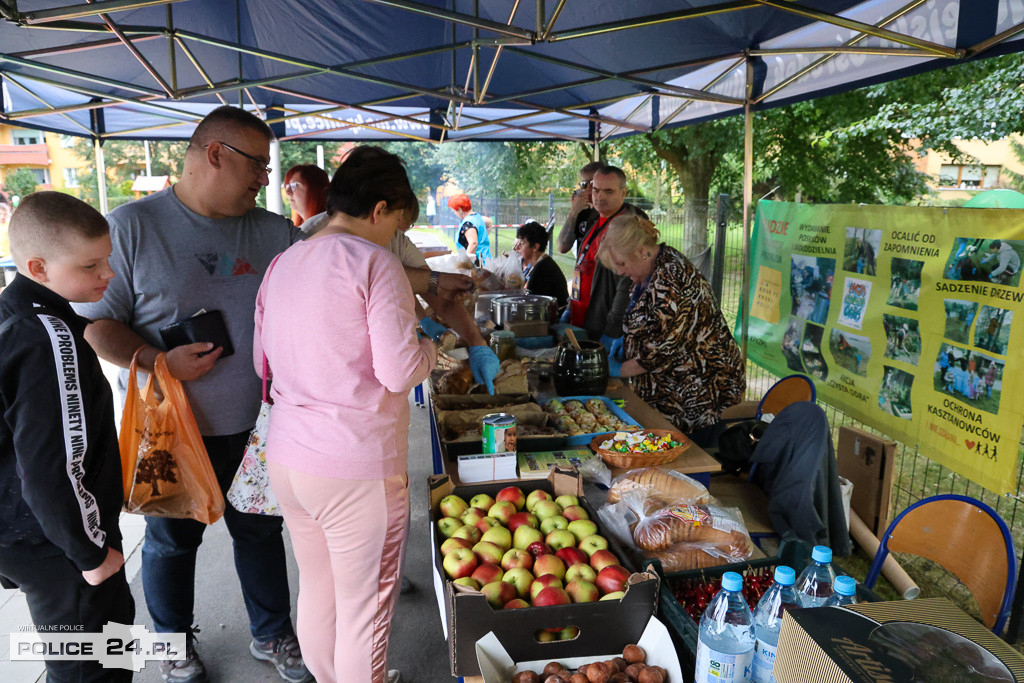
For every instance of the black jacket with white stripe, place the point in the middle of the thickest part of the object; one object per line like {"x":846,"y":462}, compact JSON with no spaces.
{"x":60,"y":472}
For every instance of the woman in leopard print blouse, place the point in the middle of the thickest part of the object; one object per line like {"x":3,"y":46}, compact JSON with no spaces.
{"x":677,"y":347}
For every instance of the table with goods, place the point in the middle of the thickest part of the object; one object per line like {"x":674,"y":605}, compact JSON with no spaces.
{"x":574,"y":539}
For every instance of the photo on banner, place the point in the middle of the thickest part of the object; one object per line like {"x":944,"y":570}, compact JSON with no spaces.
{"x":917,"y":343}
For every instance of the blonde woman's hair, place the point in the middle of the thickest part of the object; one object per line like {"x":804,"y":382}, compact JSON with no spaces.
{"x":626,"y":235}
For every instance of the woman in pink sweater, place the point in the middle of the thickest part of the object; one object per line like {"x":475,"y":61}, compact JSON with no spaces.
{"x":334,"y":316}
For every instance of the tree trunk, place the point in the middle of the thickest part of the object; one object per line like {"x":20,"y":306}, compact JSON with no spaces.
{"x":695,"y":173}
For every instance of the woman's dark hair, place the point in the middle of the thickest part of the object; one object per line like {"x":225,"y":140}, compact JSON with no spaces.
{"x":369,"y":175}
{"x":534,"y":233}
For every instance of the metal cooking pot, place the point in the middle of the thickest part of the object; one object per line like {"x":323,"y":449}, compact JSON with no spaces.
{"x":483,"y":301}
{"x":522,"y":307}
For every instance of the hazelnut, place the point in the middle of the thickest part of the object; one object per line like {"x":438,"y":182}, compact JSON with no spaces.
{"x":633,"y":671}
{"x":582,"y":669}
{"x":619,"y":663}
{"x":553,"y":668}
{"x":554,"y":678}
{"x":619,"y":677}
{"x":526,"y":677}
{"x":633,"y":654}
{"x":598,"y":672}
{"x":579,"y":678}
{"x":664,"y":672}
{"x":651,"y":675}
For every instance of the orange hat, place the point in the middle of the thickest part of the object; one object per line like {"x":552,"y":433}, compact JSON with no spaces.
{"x":460,"y":202}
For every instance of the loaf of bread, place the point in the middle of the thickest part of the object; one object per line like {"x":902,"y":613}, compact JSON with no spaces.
{"x":667,"y":486}
{"x":456,"y":381}
{"x":665,"y":527}
{"x":683,"y":558}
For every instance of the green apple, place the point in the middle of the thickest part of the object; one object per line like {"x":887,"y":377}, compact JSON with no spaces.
{"x":591,"y":544}
{"x":499,"y":536}
{"x":535,"y":497}
{"x":542,"y":582}
{"x":468,"y":582}
{"x":614,"y":595}
{"x":470,"y":533}
{"x":520,"y":578}
{"x":485,"y":523}
{"x":574,"y":512}
{"x":502,"y":511}
{"x":514,"y":558}
{"x":525,"y":535}
{"x":453,"y":506}
{"x":482,"y":501}
{"x":448,"y":525}
{"x":488,"y":553}
{"x":582,"y":591}
{"x":581,"y":528}
{"x":549,"y":564}
{"x":560,"y":538}
{"x":459,"y":563}
{"x":551,"y":523}
{"x":546,"y":508}
{"x":451,"y":544}
{"x":580,"y":572}
{"x":472,"y":516}
{"x":498,"y":593}
{"x":565,"y":500}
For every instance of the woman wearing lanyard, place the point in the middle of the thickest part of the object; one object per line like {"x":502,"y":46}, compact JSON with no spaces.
{"x":543,"y":276}
{"x":677,"y":347}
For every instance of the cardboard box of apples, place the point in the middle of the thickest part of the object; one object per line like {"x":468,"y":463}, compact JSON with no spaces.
{"x":528,"y":562}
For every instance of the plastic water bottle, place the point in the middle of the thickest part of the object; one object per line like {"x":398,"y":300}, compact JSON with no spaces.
{"x":845,"y":593}
{"x":815,"y":582}
{"x":725,"y":644}
{"x":779,"y":598}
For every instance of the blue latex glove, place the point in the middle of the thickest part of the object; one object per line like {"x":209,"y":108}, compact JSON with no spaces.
{"x":566,"y":316}
{"x":616,"y":349}
{"x":432,"y":328}
{"x":614,"y":367}
{"x":485,"y":366}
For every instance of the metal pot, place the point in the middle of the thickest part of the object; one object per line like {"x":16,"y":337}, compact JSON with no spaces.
{"x":522,"y":307}
{"x":482,"y":307}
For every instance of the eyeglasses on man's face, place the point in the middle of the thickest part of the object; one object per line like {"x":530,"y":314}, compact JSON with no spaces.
{"x":259,"y":166}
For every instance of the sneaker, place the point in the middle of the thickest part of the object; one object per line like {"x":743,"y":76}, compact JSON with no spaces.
{"x":394,"y":676}
{"x":188,"y":670}
{"x":284,"y":653}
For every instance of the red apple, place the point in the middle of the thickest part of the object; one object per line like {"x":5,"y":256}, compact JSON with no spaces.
{"x":560,"y":538}
{"x":582,"y":591}
{"x":487,"y":573}
{"x":512,"y":494}
{"x":482,"y":501}
{"x":600,"y":559}
{"x":539,"y":548}
{"x":520,"y":518}
{"x":516,"y":558}
{"x":502,"y":511}
{"x":612,"y":578}
{"x":551,"y":596}
{"x":521,"y":578}
{"x":572,"y":556}
{"x":542,"y":582}
{"x":458,"y":563}
{"x":452,"y":506}
{"x":516,"y":603}
{"x":525,"y":536}
{"x":593,"y":543}
{"x":488,"y":553}
{"x":580,"y":572}
{"x":549,"y":564}
{"x":535,"y":497}
{"x":453,"y":543}
{"x":486,"y":523}
{"x":498,"y":593}
{"x":574,"y":512}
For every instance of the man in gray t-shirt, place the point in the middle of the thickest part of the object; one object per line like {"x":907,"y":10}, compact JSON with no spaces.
{"x":203,"y":244}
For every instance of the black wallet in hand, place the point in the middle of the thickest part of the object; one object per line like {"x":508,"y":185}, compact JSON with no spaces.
{"x":203,"y":327}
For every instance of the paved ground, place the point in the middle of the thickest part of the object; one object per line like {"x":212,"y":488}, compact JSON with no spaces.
{"x":417,"y":645}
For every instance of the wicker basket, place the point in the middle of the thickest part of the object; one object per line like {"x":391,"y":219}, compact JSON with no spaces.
{"x":633,"y":460}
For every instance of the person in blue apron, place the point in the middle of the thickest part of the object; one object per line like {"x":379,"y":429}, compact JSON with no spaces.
{"x":472,"y":229}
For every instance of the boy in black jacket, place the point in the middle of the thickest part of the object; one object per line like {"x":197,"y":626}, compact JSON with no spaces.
{"x":60,"y":472}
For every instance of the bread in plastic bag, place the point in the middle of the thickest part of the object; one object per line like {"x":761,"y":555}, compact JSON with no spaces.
{"x":663,"y":484}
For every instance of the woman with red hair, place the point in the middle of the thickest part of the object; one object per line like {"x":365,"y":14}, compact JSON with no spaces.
{"x":306,"y":188}
{"x":473,"y":229}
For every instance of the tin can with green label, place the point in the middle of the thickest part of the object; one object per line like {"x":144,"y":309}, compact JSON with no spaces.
{"x":499,"y":433}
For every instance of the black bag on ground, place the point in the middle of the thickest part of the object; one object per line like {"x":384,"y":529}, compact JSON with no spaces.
{"x":737,"y":444}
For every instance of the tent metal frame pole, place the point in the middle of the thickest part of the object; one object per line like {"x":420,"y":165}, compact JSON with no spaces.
{"x":101,"y":175}
{"x":748,"y":191}
{"x":86,"y":10}
{"x":458,"y":18}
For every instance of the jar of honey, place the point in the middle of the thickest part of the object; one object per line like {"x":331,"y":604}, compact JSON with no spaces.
{"x":503,"y":343}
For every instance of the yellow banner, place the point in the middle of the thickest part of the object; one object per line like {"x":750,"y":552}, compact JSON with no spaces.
{"x":904,"y":318}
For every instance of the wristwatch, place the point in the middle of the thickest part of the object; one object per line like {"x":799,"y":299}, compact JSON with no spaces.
{"x":435,"y":276}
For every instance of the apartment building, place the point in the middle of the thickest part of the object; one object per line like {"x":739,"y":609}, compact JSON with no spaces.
{"x":50,"y":156}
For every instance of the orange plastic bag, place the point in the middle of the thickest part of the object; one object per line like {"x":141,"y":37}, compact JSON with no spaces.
{"x":166,"y":470}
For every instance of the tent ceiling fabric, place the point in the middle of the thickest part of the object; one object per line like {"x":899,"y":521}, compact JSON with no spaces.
{"x":463,"y":69}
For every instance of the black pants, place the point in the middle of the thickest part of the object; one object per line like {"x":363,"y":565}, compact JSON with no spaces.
{"x":57,"y":595}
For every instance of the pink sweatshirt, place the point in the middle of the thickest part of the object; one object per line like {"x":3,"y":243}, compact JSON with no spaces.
{"x":335,"y":316}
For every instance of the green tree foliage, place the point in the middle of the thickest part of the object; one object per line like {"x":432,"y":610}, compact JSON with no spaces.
{"x":20,"y":183}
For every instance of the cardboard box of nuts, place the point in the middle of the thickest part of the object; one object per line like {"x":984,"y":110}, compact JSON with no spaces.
{"x":497,"y":666}
{"x":467,"y":616}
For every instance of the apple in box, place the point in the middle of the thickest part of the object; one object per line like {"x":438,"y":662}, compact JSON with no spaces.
{"x":591,"y":544}
{"x":487,"y":573}
{"x":521,"y":518}
{"x":575,"y":512}
{"x":451,"y":544}
{"x":452,"y":506}
{"x":546,"y":508}
{"x":499,"y":536}
{"x":535,"y":497}
{"x":516,"y":604}
{"x":525,"y":536}
{"x":458,"y":563}
{"x":498,"y":593}
{"x":560,"y":538}
{"x":551,"y":596}
{"x":482,"y":501}
{"x":472,"y":516}
{"x":539,"y":548}
{"x":565,"y":500}
{"x":581,"y":528}
{"x":485,"y":524}
{"x":582,"y":591}
{"x":512,"y":494}
{"x":580,"y":572}
{"x":502,"y":511}
{"x":549,"y":524}
{"x":448,"y":526}
{"x":514,"y":558}
{"x":542,"y":582}
{"x":521,"y":579}
{"x":549,"y":564}
{"x":470,"y":533}
{"x":603,"y":558}
{"x":612,"y":579}
{"x":488,"y":553}
{"x":572,"y":556}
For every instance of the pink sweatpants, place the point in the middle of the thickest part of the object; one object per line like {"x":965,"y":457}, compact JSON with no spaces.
{"x":348,"y":537}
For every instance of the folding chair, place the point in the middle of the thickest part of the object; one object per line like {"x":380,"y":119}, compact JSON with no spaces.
{"x":966,"y":537}
{"x":790,"y":389}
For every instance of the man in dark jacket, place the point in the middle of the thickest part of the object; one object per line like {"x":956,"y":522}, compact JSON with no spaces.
{"x":60,"y":471}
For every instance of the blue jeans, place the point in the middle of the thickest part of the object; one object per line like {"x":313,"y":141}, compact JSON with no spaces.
{"x":169,"y":558}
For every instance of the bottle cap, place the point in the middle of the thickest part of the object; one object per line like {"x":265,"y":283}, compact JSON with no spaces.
{"x":785,"y":576}
{"x":821,"y":553}
{"x":845,"y":585}
{"x":731,"y":581}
